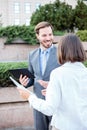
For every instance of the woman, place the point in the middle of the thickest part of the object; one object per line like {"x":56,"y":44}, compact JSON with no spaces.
{"x":65,"y":99}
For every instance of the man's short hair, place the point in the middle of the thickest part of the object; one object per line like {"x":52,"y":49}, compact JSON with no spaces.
{"x":42,"y":25}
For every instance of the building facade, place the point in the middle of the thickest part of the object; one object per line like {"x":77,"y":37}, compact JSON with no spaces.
{"x":18,"y":12}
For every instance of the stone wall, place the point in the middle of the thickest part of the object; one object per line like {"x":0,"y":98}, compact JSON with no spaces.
{"x":19,"y":52}
{"x":14,"y":52}
{"x":14,"y":111}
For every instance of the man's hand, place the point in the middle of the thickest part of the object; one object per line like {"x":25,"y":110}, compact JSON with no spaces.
{"x":43,"y":83}
{"x":24,"y":80}
{"x":43,"y":92}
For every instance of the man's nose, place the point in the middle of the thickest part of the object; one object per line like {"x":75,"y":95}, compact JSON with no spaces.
{"x":48,"y":38}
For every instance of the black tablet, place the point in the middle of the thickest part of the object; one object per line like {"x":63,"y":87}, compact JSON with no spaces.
{"x":24,"y":71}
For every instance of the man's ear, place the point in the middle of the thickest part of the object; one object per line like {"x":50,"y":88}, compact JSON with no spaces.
{"x":37,"y":36}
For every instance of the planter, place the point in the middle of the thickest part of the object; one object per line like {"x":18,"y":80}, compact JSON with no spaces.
{"x":2,"y":41}
{"x":15,"y":52}
{"x":14,"y":111}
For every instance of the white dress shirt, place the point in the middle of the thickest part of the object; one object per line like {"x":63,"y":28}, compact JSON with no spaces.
{"x":65,"y":99}
{"x":44,"y":55}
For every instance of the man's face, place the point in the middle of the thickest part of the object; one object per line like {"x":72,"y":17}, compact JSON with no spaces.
{"x":45,"y":37}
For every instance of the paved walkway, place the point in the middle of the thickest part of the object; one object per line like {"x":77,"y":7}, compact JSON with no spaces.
{"x":19,"y":128}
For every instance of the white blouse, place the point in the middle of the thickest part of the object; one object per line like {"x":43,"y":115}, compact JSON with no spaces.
{"x":66,"y":97}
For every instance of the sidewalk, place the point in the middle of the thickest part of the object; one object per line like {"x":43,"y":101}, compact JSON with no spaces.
{"x":19,"y":128}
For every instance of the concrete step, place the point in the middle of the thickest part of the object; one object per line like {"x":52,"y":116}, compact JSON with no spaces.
{"x":14,"y":111}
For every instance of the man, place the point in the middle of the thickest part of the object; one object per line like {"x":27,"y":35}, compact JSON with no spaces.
{"x":41,"y":68}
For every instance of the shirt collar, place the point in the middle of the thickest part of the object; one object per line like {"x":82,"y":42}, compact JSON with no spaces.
{"x":47,"y":50}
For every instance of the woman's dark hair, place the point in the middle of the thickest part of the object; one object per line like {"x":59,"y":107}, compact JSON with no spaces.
{"x":70,"y":49}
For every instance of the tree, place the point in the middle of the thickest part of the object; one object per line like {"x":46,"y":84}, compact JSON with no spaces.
{"x":64,"y":17}
{"x":44,"y":13}
{"x":60,"y":15}
{"x":81,"y":15}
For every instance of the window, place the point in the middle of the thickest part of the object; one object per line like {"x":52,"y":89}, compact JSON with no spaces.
{"x":37,"y":5}
{"x":27,"y":8}
{"x":17,"y":22}
{"x":16,"y":7}
{"x":27,"y":22}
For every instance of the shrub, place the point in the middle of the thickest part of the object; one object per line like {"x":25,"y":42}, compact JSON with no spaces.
{"x":82,"y":34}
{"x":25,"y":33}
{"x":4,"y":72}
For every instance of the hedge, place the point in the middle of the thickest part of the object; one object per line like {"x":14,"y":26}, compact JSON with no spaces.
{"x":4,"y":71}
{"x":26,"y":33}
{"x":82,"y":34}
